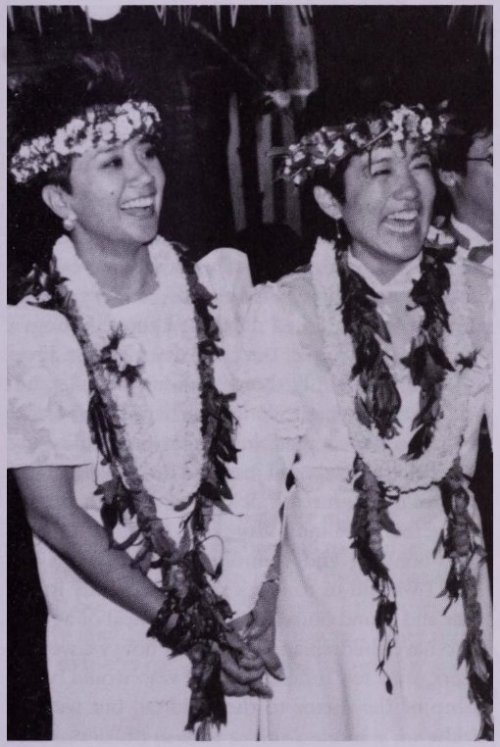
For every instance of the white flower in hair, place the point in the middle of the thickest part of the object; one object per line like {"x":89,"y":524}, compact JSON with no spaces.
{"x":322,"y":148}
{"x":74,"y":127}
{"x":53,"y":159}
{"x":135,"y":117}
{"x":61,"y":142}
{"x":107,"y":130}
{"x":39,"y":144}
{"x":339,"y":148}
{"x":123,"y":127}
{"x":24,"y":151}
{"x":426,"y":126}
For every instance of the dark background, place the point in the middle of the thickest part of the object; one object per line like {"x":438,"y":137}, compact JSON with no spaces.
{"x":190,"y":74}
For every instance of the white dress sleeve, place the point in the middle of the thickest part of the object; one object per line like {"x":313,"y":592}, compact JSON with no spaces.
{"x":48,"y":391}
{"x":268,"y":431}
{"x":479,"y":292}
{"x":225,"y":273}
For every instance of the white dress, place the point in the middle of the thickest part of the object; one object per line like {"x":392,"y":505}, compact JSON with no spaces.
{"x":108,"y":681}
{"x":326,"y":635}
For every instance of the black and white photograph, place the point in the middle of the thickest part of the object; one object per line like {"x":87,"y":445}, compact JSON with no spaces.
{"x":249,"y":355}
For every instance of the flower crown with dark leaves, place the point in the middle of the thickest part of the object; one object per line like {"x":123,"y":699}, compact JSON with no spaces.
{"x":107,"y":124}
{"x":327,"y":147}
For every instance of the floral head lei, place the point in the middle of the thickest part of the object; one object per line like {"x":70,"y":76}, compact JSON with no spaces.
{"x":106,"y":124}
{"x":327,"y":147}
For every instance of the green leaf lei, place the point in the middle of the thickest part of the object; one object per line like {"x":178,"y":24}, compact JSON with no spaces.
{"x":193,"y":619}
{"x":379,"y":407}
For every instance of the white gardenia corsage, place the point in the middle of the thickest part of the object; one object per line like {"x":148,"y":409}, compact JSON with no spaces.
{"x":123,"y":356}
{"x":128,"y":353}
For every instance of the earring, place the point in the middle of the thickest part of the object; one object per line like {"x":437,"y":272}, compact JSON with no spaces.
{"x":69,"y":222}
{"x":338,"y":233}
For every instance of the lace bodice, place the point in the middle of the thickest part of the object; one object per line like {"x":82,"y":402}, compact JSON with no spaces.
{"x":48,"y":385}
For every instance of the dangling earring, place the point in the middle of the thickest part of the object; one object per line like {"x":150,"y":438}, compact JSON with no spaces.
{"x":69,"y":222}
{"x":338,"y":233}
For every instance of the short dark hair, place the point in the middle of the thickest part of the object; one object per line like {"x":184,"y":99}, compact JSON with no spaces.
{"x":454,"y":149}
{"x":62,"y":92}
{"x":472,"y":106}
{"x":334,"y":103}
{"x":39,"y":107}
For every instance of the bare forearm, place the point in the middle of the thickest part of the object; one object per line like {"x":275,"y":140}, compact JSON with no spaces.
{"x":84,"y":544}
{"x":107,"y":570}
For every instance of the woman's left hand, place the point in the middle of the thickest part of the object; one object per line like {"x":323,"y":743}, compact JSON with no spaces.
{"x":256,"y":631}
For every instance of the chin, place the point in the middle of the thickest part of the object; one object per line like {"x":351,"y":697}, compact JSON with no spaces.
{"x":145,"y":236}
{"x":406,"y":247}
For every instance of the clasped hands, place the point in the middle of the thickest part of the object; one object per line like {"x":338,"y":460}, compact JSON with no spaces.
{"x":252,"y":636}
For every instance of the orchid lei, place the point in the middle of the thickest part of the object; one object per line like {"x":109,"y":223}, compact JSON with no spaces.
{"x":194,"y":615}
{"x":356,"y":345}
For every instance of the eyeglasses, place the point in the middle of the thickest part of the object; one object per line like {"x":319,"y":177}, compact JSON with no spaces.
{"x":488,"y":159}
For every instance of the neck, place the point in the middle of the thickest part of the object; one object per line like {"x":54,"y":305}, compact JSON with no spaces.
{"x":481,"y":222}
{"x":384,"y":271}
{"x":124,"y":274}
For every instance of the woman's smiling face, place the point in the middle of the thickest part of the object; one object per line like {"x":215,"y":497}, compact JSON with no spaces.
{"x":389,"y":196}
{"x":117,"y":194}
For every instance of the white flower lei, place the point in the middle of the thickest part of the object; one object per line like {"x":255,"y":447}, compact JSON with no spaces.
{"x":169,"y":480}
{"x":406,"y":475}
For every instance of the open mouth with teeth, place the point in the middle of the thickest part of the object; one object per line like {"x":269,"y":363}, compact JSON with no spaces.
{"x":402,"y":221}
{"x":140,"y":207}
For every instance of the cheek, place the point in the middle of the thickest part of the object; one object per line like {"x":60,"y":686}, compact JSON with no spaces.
{"x":427,"y":188}
{"x":160,"y":180}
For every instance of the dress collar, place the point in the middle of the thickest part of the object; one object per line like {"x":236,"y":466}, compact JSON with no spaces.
{"x":402,"y":282}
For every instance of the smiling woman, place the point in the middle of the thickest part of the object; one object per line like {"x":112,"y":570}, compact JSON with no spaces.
{"x":366,"y":375}
{"x":114,"y":207}
{"x":389,"y":196}
{"x":118,"y":432}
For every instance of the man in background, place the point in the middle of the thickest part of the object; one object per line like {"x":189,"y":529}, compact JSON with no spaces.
{"x":466,"y":171}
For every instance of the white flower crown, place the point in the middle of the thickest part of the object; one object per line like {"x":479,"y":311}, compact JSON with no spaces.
{"x":326,"y":147}
{"x":108,"y":123}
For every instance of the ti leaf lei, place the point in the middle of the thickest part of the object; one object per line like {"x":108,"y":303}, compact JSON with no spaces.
{"x":193,"y":619}
{"x":378,"y":405}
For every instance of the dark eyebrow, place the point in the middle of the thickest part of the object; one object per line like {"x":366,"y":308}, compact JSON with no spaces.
{"x":423,"y":151}
{"x":379,"y":159}
{"x":106,"y":151}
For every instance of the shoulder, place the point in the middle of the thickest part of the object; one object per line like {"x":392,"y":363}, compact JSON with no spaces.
{"x":40,"y":334}
{"x":281,"y":314}
{"x":225,"y":270}
{"x":479,"y":287}
{"x":293,"y":293}
{"x":479,"y":281}
{"x":47,"y":390}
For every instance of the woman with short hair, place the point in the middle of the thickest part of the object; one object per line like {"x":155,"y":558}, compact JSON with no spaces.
{"x":369,"y":371}
{"x":120,"y":425}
